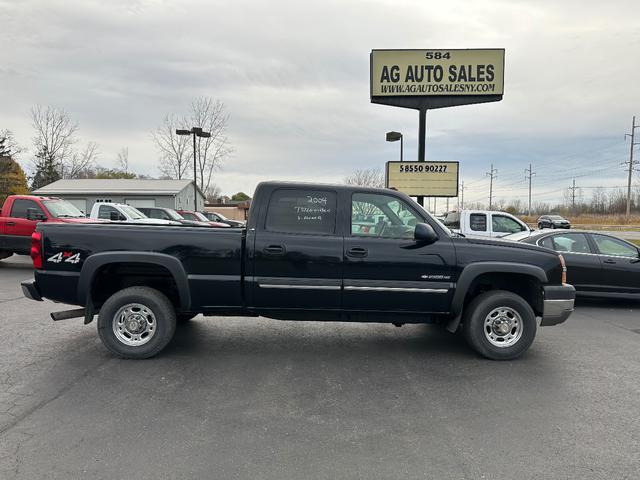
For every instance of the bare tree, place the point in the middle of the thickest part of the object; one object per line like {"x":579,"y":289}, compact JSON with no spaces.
{"x":8,"y":145}
{"x":174,"y":149}
{"x":122,"y":160}
{"x":212,"y":117}
{"x":55,"y":133}
{"x":80,"y":161}
{"x":371,"y":177}
{"x":212,"y":193}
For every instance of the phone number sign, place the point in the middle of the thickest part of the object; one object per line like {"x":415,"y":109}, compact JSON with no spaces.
{"x":427,"y":179}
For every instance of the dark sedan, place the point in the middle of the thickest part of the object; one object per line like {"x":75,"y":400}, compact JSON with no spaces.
{"x":170,"y":214}
{"x":553,"y":221}
{"x":218,"y":217}
{"x":598,"y":265}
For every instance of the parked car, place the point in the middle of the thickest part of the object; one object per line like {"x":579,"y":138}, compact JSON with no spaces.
{"x":598,"y":264}
{"x":484,"y":223}
{"x":170,"y":214}
{"x":21,"y":213}
{"x":300,"y":258}
{"x":553,"y":221}
{"x":119,"y":212}
{"x":199,"y":217}
{"x":218,"y":217}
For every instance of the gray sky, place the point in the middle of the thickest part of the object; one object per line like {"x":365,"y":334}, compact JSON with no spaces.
{"x":295,"y":78}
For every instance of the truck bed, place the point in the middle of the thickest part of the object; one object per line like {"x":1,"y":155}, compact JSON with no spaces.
{"x":210,"y":258}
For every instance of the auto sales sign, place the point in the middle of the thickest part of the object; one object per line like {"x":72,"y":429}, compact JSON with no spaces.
{"x":437,"y":72}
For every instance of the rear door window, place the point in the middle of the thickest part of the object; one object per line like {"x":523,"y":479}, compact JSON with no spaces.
{"x":478,"y":222}
{"x":302,"y":211}
{"x":571,"y":243}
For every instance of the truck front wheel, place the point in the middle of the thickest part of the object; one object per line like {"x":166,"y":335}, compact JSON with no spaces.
{"x":4,"y":254}
{"x":137,"y":322}
{"x":499,"y":325}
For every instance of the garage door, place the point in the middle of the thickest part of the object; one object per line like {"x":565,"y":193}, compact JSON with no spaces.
{"x":79,"y":203}
{"x":140,"y":202}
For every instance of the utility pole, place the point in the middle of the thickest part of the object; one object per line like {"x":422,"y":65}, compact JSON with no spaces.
{"x":461,"y":197}
{"x":528,"y":173}
{"x":632,"y":135}
{"x":573,"y":196}
{"x":493,"y":173}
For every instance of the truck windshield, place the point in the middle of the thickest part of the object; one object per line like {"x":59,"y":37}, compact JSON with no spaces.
{"x":62,"y":209}
{"x":132,"y":213}
{"x":174,"y":215}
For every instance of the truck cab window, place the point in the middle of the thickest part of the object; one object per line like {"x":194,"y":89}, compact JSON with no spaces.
{"x":20,"y":206}
{"x":104,"y":212}
{"x":302,"y":211}
{"x":503,"y":224}
{"x":376,"y":215}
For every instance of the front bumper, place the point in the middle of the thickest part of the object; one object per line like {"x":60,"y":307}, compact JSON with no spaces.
{"x":30,"y":290}
{"x":558,"y":304}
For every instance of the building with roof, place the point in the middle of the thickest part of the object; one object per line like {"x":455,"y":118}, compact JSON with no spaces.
{"x":83,"y":193}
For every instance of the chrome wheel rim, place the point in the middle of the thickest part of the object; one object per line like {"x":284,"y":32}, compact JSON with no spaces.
{"x":134,"y":324}
{"x":503,"y":327}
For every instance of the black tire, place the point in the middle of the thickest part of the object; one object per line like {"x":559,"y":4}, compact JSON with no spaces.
{"x":185,"y":317}
{"x":153,"y":300}
{"x":540,"y":226}
{"x":474,"y":324}
{"x":4,"y":254}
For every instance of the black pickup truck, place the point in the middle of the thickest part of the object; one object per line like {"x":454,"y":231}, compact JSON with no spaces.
{"x":309,"y":252}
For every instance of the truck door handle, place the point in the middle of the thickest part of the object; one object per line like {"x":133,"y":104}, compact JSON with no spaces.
{"x":11,"y":224}
{"x":357,"y":252}
{"x":609,"y":261}
{"x":274,"y":250}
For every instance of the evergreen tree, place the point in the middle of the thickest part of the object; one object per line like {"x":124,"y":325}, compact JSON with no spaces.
{"x":47,"y":171}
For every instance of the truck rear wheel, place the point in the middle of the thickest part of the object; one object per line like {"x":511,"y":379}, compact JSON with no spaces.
{"x":499,"y":325}
{"x":137,"y":322}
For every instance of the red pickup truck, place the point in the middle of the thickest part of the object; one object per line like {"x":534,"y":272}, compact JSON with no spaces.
{"x":21,"y":213}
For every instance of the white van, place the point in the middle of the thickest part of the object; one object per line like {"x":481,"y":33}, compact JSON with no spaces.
{"x":484,"y":223}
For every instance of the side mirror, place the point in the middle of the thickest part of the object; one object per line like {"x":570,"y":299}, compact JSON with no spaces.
{"x":35,"y":215}
{"x":114,"y":216}
{"x":424,"y":233}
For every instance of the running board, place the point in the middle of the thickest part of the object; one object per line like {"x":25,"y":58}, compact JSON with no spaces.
{"x":67,"y":314}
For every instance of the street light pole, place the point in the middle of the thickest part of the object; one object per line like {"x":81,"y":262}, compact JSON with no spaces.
{"x":394,"y":137}
{"x":196,"y":132}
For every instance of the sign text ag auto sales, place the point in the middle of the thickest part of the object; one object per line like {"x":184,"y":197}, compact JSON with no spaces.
{"x":437,"y":72}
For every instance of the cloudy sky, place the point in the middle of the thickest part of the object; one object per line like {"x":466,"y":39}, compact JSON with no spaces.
{"x":294,"y":76}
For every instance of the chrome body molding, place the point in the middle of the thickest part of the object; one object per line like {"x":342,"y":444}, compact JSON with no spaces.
{"x":398,"y":289}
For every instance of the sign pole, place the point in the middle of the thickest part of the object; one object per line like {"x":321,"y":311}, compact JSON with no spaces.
{"x":422,"y":133}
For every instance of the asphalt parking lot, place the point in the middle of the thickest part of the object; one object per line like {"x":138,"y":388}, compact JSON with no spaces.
{"x":240,"y":398}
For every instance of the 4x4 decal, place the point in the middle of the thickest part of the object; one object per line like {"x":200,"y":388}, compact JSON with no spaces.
{"x":67,"y":257}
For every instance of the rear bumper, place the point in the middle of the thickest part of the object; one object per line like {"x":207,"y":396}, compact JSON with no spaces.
{"x":558,"y":304}
{"x":30,"y":290}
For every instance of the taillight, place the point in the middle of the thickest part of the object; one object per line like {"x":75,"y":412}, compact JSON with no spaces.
{"x":36,"y":249}
{"x":564,"y":269}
